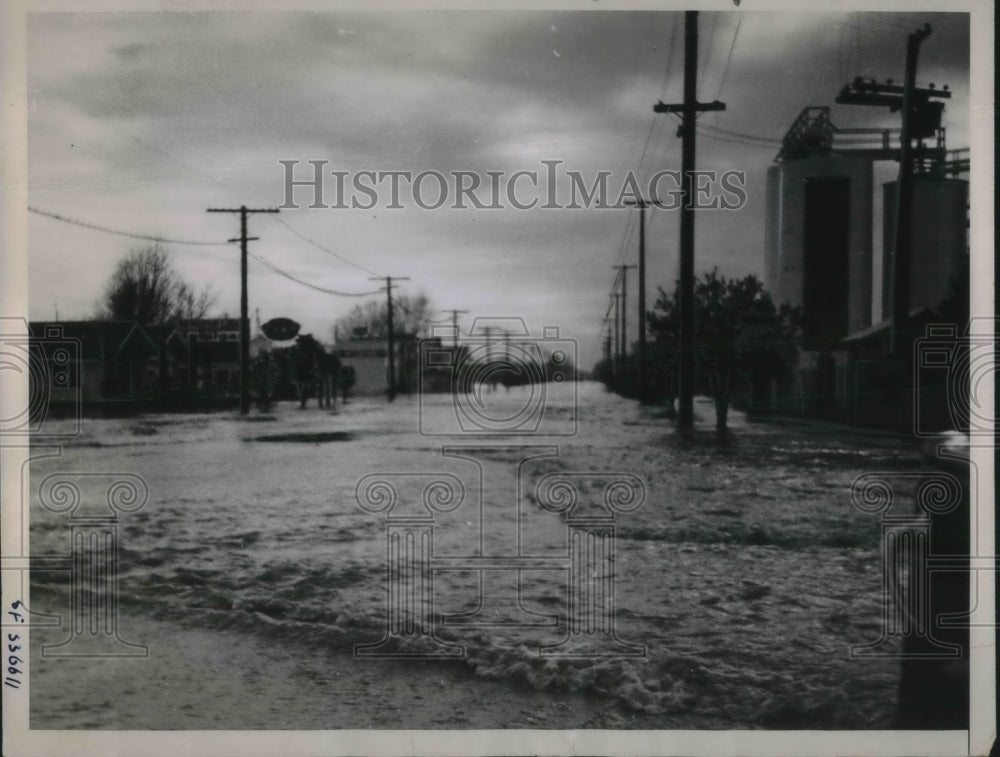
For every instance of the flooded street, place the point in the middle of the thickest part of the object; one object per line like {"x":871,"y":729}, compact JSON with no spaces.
{"x":740,"y":581}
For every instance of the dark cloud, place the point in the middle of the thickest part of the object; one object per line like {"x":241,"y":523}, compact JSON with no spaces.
{"x":169,"y":112}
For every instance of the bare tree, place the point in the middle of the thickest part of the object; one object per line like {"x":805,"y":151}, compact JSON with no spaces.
{"x":189,"y":305}
{"x":411,"y":315}
{"x":145,"y":288}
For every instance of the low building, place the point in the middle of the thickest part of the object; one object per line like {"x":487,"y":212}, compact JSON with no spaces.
{"x":369,"y":357}
{"x":213,"y":354}
{"x":96,"y":360}
{"x":123,"y":366}
{"x":912,"y":394}
{"x":209,"y":330}
{"x":864,"y":384}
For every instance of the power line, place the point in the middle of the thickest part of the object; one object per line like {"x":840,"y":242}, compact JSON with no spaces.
{"x":690,"y":107}
{"x":318,"y":246}
{"x":629,"y":230}
{"x":656,"y":162}
{"x":729,"y":58}
{"x":625,"y":241}
{"x":660,"y":146}
{"x":389,"y":332}
{"x":631,"y":222}
{"x":739,"y":134}
{"x":666,"y":82}
{"x":407,"y":311}
{"x":725,"y":135}
{"x":611,"y":301}
{"x":720,"y":138}
{"x":119,"y":232}
{"x":324,"y":290}
{"x":243,"y":238}
{"x":614,"y":290}
{"x":453,"y":317}
{"x":653,"y":215}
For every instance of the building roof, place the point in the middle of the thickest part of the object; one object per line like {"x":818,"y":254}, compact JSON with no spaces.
{"x":138,"y":343}
{"x":210,"y":324}
{"x":916,"y":318}
{"x":110,"y":340}
{"x":96,"y":339}
{"x":365,"y":347}
{"x":183,"y":329}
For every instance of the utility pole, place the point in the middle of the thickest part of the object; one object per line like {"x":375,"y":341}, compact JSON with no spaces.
{"x":642,"y":385}
{"x":901,"y":264}
{"x":454,"y":322}
{"x":624,"y":313}
{"x":921,"y":119}
{"x":618,"y":333}
{"x":390,"y":340}
{"x":244,"y":211}
{"x":606,"y":374}
{"x":689,"y":110}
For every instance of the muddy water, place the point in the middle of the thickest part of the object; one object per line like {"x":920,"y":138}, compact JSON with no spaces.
{"x":252,"y":573}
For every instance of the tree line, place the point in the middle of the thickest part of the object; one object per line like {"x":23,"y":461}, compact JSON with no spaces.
{"x":740,"y":336}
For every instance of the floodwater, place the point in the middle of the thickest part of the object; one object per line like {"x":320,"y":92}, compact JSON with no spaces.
{"x":252,"y":574}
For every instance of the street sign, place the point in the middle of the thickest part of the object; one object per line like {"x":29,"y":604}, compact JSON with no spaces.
{"x":280,"y":329}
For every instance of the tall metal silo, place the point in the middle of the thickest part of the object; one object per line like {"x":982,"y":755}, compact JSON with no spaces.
{"x":818,"y":243}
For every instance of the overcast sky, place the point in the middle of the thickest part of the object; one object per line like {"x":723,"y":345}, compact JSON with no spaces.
{"x":142,"y":121}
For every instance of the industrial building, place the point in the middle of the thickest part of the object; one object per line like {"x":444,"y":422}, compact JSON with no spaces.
{"x":818,"y":250}
{"x":818,"y":257}
{"x":369,"y":357}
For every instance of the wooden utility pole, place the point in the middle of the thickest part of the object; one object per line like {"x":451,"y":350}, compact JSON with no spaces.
{"x":689,"y":110}
{"x":488,"y":330}
{"x":921,"y":112}
{"x":244,"y":211}
{"x":623,"y":345}
{"x":904,"y":199}
{"x":641,"y":377}
{"x":618,"y":334}
{"x":454,"y":322}
{"x":390,"y":338}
